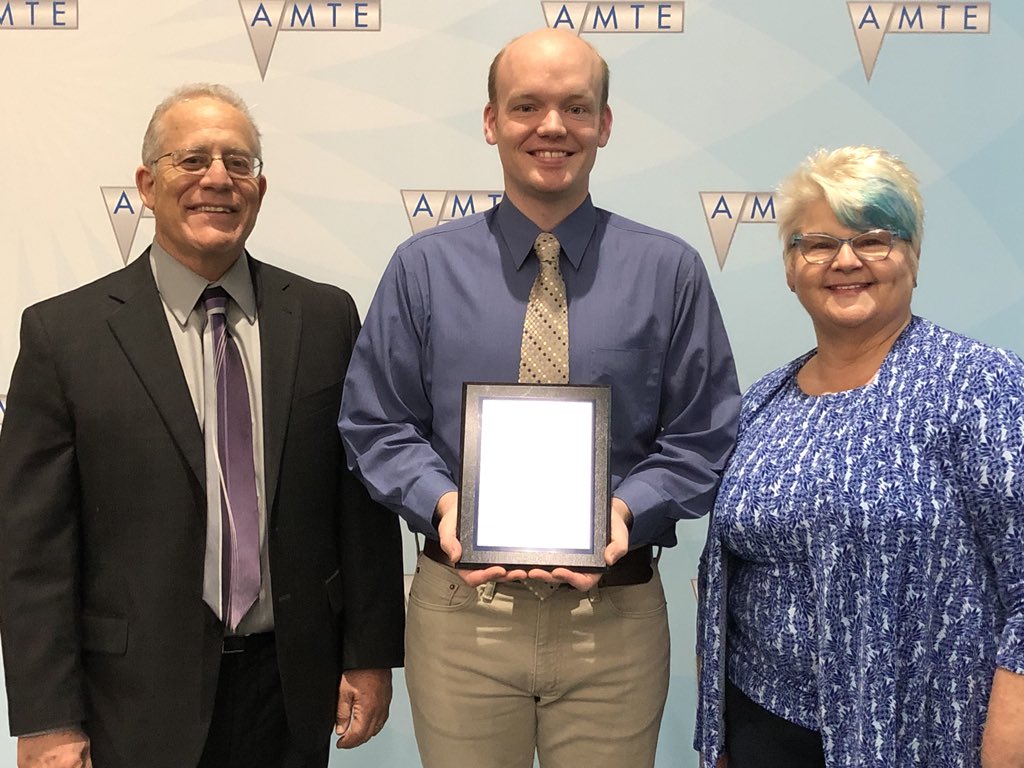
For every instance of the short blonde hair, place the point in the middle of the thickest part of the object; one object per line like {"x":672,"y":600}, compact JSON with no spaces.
{"x":866,"y":188}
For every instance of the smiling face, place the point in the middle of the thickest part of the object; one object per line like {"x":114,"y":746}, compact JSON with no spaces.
{"x":202,"y":220}
{"x":547,"y":122}
{"x":849,"y":297}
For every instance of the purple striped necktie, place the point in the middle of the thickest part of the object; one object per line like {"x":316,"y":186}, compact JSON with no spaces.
{"x":240,"y":519}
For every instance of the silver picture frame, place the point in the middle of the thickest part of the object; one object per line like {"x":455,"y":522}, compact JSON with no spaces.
{"x":534,"y":481}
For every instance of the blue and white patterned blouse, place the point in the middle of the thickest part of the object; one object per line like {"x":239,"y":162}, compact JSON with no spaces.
{"x":872,"y":542}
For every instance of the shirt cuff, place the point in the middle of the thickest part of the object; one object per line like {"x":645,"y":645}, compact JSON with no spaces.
{"x":422,"y":500}
{"x":69,"y":728}
{"x":644,"y":502}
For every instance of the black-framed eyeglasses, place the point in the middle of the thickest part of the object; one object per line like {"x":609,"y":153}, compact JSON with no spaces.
{"x":197,"y":162}
{"x":873,"y":245}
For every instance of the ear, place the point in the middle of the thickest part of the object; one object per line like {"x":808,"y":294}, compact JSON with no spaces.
{"x":262,"y":182}
{"x":146,"y":183}
{"x":605,"y":129}
{"x":787,"y":259}
{"x":490,"y":118}
{"x":915,"y":262}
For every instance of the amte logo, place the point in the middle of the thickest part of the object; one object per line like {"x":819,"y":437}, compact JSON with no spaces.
{"x":428,"y":208}
{"x":263,"y":20}
{"x":725,"y":210}
{"x":125,"y":209}
{"x":872,"y":21}
{"x":615,"y":16}
{"x":39,"y":14}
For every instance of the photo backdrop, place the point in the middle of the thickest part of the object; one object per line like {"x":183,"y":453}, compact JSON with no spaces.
{"x":372,"y":130}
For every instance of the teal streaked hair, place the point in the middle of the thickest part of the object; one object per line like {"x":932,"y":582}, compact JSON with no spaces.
{"x":866,"y":188}
{"x":881,"y":205}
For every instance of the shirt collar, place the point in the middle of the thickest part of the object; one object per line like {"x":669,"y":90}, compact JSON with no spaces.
{"x":180,"y":287}
{"x":573,"y":234}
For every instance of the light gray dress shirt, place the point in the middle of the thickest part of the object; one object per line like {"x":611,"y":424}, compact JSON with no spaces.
{"x":180,"y":289}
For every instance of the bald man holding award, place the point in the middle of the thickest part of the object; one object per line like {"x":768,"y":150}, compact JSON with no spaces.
{"x":560,"y":375}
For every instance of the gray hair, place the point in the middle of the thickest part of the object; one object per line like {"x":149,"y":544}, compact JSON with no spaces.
{"x":151,"y":142}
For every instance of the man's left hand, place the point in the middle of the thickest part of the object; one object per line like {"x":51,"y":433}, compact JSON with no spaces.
{"x":364,"y":697}
{"x":621,"y":517}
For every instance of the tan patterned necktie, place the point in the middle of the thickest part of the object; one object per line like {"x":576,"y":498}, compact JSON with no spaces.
{"x":544,"y":357}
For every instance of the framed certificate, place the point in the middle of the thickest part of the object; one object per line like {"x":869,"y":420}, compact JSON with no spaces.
{"x":534,"y":483}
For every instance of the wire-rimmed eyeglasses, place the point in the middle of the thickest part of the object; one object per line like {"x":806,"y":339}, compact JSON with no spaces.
{"x":197,"y":162}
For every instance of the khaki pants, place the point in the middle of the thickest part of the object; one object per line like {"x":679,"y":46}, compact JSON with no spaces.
{"x":497,"y":672}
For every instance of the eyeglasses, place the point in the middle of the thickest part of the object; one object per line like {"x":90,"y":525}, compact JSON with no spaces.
{"x":197,"y":162}
{"x":874,"y":245}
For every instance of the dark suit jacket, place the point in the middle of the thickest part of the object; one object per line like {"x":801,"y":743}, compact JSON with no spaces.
{"x":103,"y":514}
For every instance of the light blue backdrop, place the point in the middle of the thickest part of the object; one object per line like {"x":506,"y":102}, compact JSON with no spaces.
{"x":351,"y":118}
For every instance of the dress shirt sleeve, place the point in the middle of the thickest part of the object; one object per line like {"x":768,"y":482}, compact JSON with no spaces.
{"x":386,"y":413}
{"x":698,"y":415}
{"x":989,"y":422}
{"x":39,"y":542}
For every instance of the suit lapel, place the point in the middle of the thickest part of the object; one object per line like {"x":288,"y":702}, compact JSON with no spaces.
{"x":140,"y":327}
{"x":280,"y":322}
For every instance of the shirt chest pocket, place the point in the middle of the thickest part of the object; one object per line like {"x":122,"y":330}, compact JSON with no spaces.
{"x":635,"y":378}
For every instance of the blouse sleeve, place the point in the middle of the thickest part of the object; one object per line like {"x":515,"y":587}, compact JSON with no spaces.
{"x":989,"y":432}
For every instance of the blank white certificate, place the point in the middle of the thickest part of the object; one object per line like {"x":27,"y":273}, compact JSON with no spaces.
{"x":536,"y":479}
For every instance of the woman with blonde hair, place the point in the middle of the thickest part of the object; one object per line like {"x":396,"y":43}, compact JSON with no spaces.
{"x":862,"y":588}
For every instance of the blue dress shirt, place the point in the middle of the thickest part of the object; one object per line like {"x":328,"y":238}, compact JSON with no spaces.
{"x":642,"y":319}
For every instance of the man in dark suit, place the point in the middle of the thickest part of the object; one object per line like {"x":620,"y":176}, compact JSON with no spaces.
{"x":127,"y":640}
